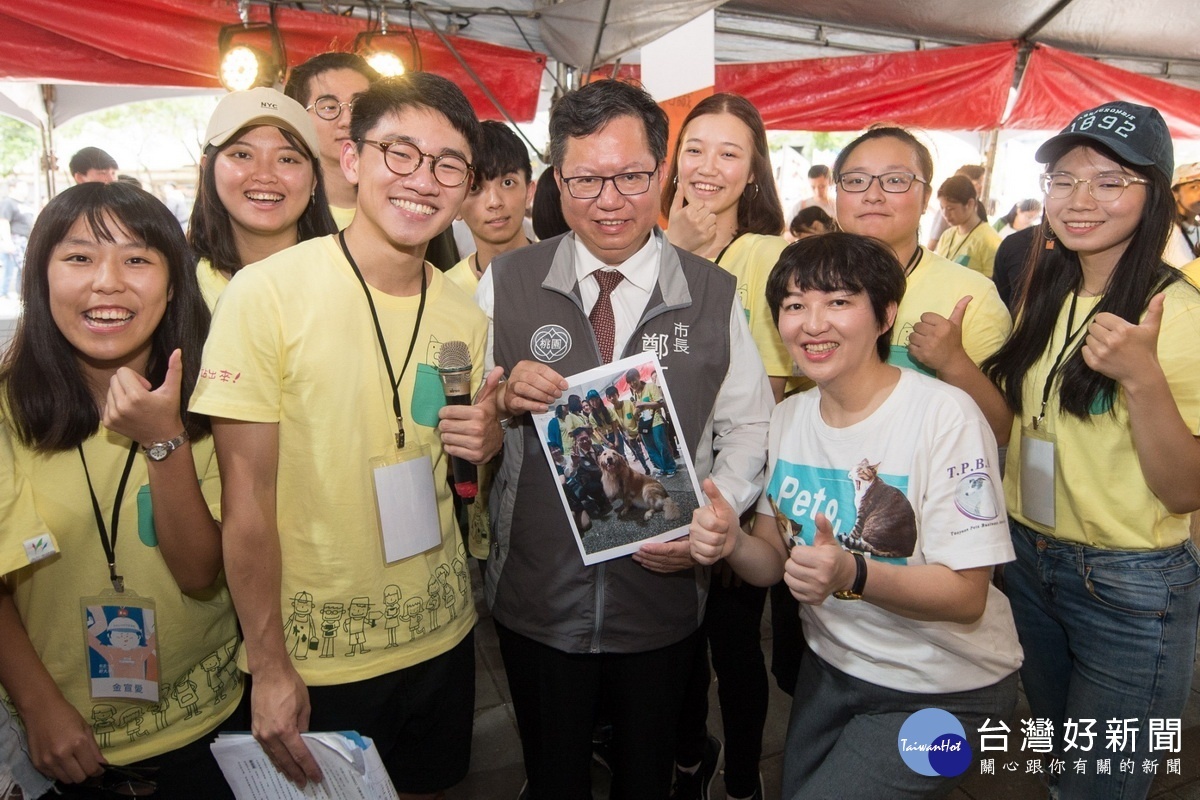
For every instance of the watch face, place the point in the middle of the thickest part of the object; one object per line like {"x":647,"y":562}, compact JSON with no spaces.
{"x":157,"y":452}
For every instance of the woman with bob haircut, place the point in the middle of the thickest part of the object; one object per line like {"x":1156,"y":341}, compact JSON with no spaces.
{"x":888,"y":553}
{"x":1102,"y":374}
{"x":261,"y":189}
{"x":94,"y":394}
{"x":722,"y":204}
{"x":968,"y":240}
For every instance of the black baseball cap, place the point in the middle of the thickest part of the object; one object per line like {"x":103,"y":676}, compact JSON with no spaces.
{"x":1137,"y":134}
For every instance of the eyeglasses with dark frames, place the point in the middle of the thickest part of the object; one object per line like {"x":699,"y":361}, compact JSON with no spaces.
{"x":890,"y":182}
{"x":588,"y":187}
{"x":1103,"y":188}
{"x":404,"y":158}
{"x":327,"y":107}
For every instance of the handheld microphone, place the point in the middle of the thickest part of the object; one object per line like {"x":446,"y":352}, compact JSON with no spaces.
{"x":454,"y":367}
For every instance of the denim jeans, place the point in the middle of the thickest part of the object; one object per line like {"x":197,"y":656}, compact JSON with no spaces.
{"x":658,"y":449}
{"x":1108,"y":634}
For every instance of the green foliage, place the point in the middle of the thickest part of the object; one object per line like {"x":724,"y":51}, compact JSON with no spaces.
{"x":18,"y":146}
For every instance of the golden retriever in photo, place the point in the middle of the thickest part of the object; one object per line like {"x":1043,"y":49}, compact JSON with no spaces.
{"x":634,"y":489}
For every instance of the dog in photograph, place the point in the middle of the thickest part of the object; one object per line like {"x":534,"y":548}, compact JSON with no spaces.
{"x":634,"y":489}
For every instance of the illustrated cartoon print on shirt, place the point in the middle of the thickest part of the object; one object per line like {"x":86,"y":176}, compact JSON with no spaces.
{"x":159,"y":709}
{"x":460,"y":572}
{"x":434,"y":602}
{"x":391,"y":613}
{"x":885,"y":524}
{"x":131,"y":721}
{"x":127,"y":649}
{"x":413,"y":616}
{"x":331,"y":619}
{"x":104,"y":723}
{"x":185,"y":694}
{"x":359,"y":617}
{"x":299,"y":629}
{"x":212,"y":666}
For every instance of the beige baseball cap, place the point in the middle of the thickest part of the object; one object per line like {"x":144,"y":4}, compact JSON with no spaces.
{"x":260,"y":106}
{"x":1186,"y":173}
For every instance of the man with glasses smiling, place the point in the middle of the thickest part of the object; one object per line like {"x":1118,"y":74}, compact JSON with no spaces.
{"x":325,"y":85}
{"x":619,"y":635}
{"x":320,"y":374}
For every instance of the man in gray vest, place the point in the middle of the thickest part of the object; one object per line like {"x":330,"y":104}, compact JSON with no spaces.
{"x":620,"y":634}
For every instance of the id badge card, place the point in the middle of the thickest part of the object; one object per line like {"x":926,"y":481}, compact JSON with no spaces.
{"x":121,"y":636}
{"x":1037,"y":476}
{"x":406,"y":503}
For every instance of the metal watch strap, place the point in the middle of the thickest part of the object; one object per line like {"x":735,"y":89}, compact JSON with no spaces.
{"x":158,"y":451}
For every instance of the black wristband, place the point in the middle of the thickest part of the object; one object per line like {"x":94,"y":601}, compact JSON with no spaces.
{"x":860,"y":580}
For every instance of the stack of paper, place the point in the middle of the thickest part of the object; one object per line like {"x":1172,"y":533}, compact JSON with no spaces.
{"x":349,"y":762}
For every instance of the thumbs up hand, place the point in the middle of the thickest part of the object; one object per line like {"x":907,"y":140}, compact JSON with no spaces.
{"x":133,"y":410}
{"x":1121,"y":350}
{"x":936,"y":341}
{"x":815,"y":572}
{"x":714,"y":530}
{"x":473,"y":432}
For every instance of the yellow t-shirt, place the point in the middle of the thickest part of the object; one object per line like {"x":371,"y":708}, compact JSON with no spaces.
{"x":200,"y":685}
{"x":463,"y":276}
{"x":627,"y":416}
{"x":750,"y":259}
{"x":1100,"y":498}
{"x":650,"y":393}
{"x":1191,"y":271}
{"x":24,"y":539}
{"x":976,"y":250}
{"x":293,"y":343}
{"x":212,"y":282}
{"x":937,"y":285}
{"x":342,"y":217}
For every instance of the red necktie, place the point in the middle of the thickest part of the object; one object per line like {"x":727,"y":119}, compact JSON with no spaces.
{"x":603,"y":322}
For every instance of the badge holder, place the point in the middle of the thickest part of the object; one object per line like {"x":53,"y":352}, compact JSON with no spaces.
{"x":406,"y":502}
{"x":1038,"y":474}
{"x":120,"y":632}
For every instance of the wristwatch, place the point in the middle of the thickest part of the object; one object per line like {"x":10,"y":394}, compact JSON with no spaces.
{"x":860,"y":580}
{"x":158,"y":451}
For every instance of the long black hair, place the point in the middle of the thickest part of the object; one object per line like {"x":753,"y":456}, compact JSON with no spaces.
{"x":210,"y":231}
{"x":1053,"y":274}
{"x":48,"y":399}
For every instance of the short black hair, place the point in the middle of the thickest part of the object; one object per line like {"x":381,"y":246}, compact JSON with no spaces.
{"x":299,"y":82}
{"x":414,"y":90}
{"x":90,"y":158}
{"x":500,"y":152}
{"x":818,"y":171}
{"x":840,"y":262}
{"x":586,"y":110}
{"x":547,"y":214}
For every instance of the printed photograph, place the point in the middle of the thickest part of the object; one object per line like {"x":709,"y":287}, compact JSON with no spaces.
{"x":625,"y":475}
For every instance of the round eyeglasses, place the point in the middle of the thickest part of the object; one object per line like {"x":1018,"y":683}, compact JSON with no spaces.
{"x":328,"y":108}
{"x":890,"y":182}
{"x":1102,"y":188}
{"x":405,"y":158}
{"x":588,"y":187}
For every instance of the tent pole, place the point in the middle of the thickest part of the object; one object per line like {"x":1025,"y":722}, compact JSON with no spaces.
{"x":420,"y":9}
{"x":989,"y":163}
{"x":49,"y":159}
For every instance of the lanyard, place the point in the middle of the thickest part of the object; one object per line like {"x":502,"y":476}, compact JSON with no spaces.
{"x":963,"y":243}
{"x":725,"y":249}
{"x":387,"y":361}
{"x":1071,"y":334}
{"x":109,"y":540}
{"x":914,"y":261}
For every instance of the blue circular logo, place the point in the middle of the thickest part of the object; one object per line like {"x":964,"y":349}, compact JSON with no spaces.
{"x":933,"y":742}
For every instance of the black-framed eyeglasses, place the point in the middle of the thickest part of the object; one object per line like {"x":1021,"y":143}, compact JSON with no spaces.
{"x":1103,"y":188}
{"x":404,"y":158}
{"x":328,"y":108}
{"x":588,"y":187}
{"x":890,"y":182}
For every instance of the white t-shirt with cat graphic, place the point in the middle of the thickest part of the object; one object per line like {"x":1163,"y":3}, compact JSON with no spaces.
{"x":936,"y":457}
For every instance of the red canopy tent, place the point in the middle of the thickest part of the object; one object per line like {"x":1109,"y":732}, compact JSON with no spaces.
{"x":174,"y":43}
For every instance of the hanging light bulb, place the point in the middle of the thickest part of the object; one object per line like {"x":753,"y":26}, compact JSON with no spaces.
{"x":385,"y":63}
{"x":384,"y":49}
{"x":243,"y":66}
